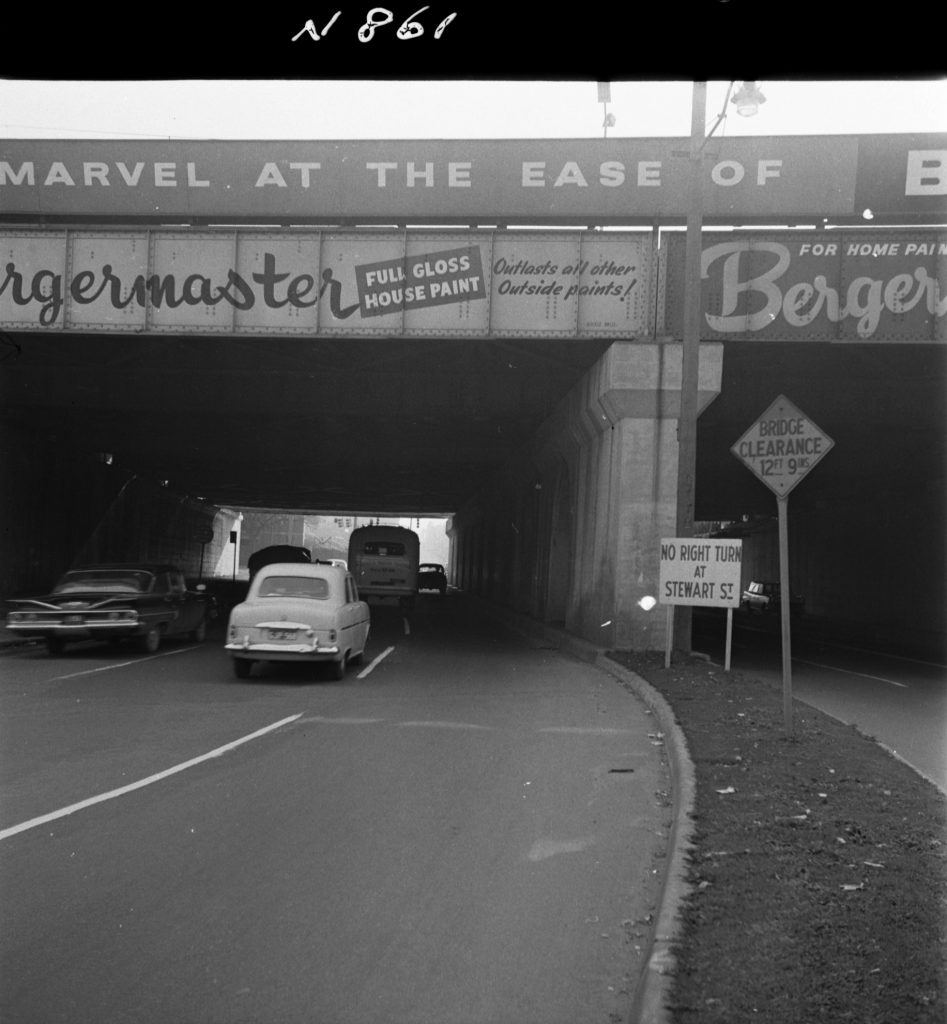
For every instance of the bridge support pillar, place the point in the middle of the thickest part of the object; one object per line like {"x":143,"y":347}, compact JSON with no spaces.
{"x":626,"y":463}
{"x":574,"y":524}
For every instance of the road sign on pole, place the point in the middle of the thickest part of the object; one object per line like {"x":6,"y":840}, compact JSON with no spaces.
{"x":782,"y":446}
{"x":699,"y":571}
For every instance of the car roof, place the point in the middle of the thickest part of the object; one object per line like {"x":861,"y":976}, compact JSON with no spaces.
{"x":126,"y":567}
{"x":301,"y":569}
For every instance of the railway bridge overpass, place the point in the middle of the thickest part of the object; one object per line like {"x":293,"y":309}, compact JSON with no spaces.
{"x":486,"y":330}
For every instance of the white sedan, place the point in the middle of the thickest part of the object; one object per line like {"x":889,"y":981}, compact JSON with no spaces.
{"x":296,"y":611}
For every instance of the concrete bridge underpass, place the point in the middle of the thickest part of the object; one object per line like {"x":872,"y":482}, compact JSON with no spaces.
{"x":487,"y":329}
{"x":556,"y":460}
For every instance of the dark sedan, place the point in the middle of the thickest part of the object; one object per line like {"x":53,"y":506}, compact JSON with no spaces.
{"x":432,"y":576}
{"x":762,"y":597}
{"x":145,"y":602}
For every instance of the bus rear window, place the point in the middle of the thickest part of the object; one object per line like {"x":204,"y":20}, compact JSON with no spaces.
{"x":384,"y":549}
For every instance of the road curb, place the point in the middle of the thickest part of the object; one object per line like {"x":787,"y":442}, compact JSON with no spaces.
{"x":650,"y":1002}
{"x":649,"y":1005}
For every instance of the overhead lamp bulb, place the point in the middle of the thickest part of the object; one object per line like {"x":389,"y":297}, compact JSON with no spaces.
{"x":748,"y":99}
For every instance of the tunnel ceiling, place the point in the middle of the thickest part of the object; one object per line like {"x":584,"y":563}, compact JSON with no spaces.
{"x":374,"y":425}
{"x":419,"y":426}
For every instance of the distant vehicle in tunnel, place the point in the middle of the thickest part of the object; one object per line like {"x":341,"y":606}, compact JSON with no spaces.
{"x":297,"y":612}
{"x":432,"y":576}
{"x":384,"y":561}
{"x":276,"y":553}
{"x":762,"y":597}
{"x":141,"y":601}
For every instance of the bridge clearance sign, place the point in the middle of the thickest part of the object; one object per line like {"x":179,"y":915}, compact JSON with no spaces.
{"x":700,"y":571}
{"x":781,"y":447}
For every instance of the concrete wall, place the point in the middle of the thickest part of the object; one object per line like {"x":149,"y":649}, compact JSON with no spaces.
{"x":63,"y":508}
{"x":569,"y":531}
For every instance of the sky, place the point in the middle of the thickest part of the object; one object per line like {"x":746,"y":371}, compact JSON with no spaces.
{"x":391,"y":109}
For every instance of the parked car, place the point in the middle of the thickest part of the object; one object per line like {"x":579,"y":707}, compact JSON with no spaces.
{"x":432,"y":576}
{"x":276,"y":553}
{"x":762,"y":597}
{"x":299,"y":612}
{"x":114,"y":602}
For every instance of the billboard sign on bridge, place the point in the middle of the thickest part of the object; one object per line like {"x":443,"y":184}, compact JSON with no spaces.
{"x":330,"y":284}
{"x":837,"y":286}
{"x":854,"y":285}
{"x":486,"y":181}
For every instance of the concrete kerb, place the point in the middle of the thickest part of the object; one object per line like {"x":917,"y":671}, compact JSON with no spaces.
{"x":649,"y":1005}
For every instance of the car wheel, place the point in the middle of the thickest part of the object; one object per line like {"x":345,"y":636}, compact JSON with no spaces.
{"x":357,"y":659}
{"x":338,"y":667}
{"x":242,"y":667}
{"x":151,"y":640}
{"x":199,"y":635}
{"x":55,"y":645}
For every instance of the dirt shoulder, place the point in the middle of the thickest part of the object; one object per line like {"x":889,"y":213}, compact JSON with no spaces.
{"x":818,"y":872}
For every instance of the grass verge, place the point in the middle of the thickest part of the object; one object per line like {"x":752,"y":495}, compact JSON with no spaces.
{"x":818,"y":873}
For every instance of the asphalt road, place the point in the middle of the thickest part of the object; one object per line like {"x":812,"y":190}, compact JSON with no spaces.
{"x":900,"y":702}
{"x":469,"y":828}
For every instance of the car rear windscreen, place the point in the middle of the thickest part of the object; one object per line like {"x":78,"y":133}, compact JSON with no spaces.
{"x":294,"y":586}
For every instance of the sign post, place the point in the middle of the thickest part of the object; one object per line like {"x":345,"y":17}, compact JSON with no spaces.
{"x":703,"y":572}
{"x":780,"y":448}
{"x":205,"y":534}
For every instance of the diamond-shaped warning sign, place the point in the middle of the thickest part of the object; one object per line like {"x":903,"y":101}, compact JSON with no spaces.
{"x":782,"y":446}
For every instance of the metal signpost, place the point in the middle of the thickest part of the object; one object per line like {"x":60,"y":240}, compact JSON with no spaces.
{"x":204,"y":535}
{"x":780,"y":448}
{"x":703,"y":572}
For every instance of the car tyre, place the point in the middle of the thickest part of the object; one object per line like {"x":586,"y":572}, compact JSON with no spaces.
{"x":199,"y":635}
{"x":55,"y":645}
{"x":338,"y":667}
{"x":150,"y":641}
{"x":242,"y":667}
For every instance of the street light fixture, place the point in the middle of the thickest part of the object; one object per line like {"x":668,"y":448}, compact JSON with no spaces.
{"x":748,"y":99}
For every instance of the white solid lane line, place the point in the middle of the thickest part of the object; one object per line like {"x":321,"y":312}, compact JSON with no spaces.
{"x":102,"y":797}
{"x":368,"y":668}
{"x":850,"y":672}
{"x":122,"y":664}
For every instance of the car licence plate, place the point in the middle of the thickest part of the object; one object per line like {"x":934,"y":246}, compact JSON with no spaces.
{"x":72,"y":620}
{"x":282,"y":634}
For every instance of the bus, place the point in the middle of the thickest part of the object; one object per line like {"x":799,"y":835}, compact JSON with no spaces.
{"x":384,"y":561}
